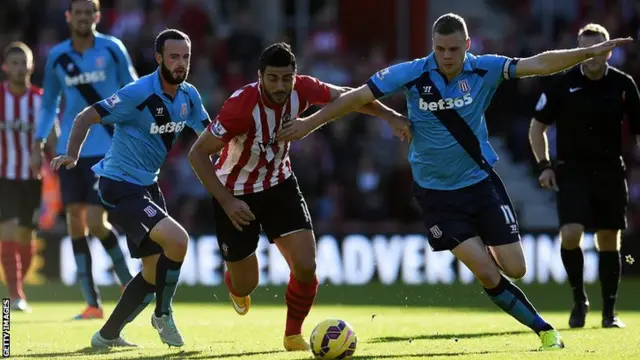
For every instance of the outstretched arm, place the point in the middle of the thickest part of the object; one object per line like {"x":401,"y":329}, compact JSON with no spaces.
{"x":551,"y":62}
{"x":375,"y":108}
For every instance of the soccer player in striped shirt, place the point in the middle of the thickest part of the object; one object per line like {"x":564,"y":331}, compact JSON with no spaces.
{"x":254,"y":187}
{"x":20,"y":188}
{"x":464,"y":204}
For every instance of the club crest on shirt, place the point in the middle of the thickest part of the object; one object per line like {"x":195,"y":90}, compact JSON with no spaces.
{"x":286,"y":118}
{"x":100,"y":62}
{"x":183,"y":110}
{"x":464,"y":87}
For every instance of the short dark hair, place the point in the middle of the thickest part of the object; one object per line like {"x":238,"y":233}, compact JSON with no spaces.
{"x":450,"y":23}
{"x":18,"y":47}
{"x":278,"y":55}
{"x":593,"y":30}
{"x":96,"y":4}
{"x":170,"y":34}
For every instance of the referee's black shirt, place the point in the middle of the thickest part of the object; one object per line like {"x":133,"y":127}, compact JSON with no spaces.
{"x":588,"y":115}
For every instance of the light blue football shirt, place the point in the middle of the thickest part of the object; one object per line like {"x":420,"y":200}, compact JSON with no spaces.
{"x":450,"y":147}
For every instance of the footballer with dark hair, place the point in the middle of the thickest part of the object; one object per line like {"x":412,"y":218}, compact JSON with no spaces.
{"x":253,"y":186}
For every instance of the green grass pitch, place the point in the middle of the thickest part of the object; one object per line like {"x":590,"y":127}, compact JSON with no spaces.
{"x":392,"y":322}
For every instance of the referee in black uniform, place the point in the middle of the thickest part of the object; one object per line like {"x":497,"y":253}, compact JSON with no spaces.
{"x":588,"y":104}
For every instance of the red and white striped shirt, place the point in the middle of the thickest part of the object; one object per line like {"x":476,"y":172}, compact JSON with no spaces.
{"x":18,"y":115}
{"x":252,"y":160}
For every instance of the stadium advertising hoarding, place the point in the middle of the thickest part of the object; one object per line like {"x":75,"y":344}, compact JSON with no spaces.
{"x":353,"y":259}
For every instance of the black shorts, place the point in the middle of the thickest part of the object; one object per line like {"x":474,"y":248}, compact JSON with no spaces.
{"x":279,"y":211}
{"x":453,"y":216}
{"x":136,"y":210}
{"x":80,"y":184}
{"x":595,"y":198}
{"x":20,"y":199}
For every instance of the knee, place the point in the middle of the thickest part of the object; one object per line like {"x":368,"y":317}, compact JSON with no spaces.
{"x":177,"y":247}
{"x":517,"y":271}
{"x":608,"y":240}
{"x":571,"y":235}
{"x":304,"y":270}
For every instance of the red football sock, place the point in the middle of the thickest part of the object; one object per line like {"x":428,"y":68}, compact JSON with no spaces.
{"x":299,"y":299}
{"x":25,"y":251}
{"x":227,"y":281}
{"x":12,"y":269}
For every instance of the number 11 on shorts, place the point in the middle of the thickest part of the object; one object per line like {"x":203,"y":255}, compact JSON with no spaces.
{"x":508,"y":214}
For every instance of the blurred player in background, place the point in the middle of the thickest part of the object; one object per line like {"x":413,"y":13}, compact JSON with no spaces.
{"x":85,"y":68}
{"x":148,"y":115}
{"x":588,"y":104}
{"x":254,"y":187}
{"x":464,"y":204}
{"x":20,"y":188}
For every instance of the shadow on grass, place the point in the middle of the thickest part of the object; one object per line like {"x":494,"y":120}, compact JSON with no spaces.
{"x":134,"y":354}
{"x":436,"y":336}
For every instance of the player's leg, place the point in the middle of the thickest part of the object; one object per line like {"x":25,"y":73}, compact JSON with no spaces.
{"x":155,"y":237}
{"x":10,"y":259}
{"x":574,"y":207}
{"x":610,"y":217}
{"x":73,"y":200}
{"x":100,"y":227}
{"x":290,"y":228}
{"x":138,"y":293}
{"x":238,"y":251}
{"x":505,"y":294}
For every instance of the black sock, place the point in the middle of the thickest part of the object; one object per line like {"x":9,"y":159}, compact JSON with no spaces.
{"x":573,"y":261}
{"x":609,"y":268}
{"x":85,"y":275}
{"x":137,"y":295}
{"x":167,"y":275}
{"x":515,"y":303}
{"x":110,"y":243}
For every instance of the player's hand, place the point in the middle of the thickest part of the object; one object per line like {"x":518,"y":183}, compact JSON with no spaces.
{"x":35,"y":162}
{"x":63,"y":160}
{"x":239,"y":212}
{"x":605,"y":47}
{"x":548,"y":179}
{"x":401,"y":127}
{"x":296,"y":129}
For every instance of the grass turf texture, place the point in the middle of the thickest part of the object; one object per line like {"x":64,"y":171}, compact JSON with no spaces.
{"x":410,"y":322}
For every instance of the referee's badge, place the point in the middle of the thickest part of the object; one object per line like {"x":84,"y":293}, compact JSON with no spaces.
{"x":464,"y":87}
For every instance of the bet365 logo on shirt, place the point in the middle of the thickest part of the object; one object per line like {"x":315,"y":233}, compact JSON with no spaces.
{"x":446,"y":104}
{"x":168,"y":127}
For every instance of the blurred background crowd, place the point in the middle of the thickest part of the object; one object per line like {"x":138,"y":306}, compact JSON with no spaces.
{"x":354,"y":174}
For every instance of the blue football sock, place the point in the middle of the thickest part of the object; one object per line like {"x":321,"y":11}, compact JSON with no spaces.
{"x":110,"y":243}
{"x":85,"y":275}
{"x":167,"y":275}
{"x":514,"y":302}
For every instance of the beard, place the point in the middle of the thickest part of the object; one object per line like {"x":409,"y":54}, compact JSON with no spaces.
{"x":279,"y":94}
{"x":170,"y":78}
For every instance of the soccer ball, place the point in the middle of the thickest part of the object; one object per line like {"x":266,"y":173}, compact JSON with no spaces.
{"x":333,"y":339}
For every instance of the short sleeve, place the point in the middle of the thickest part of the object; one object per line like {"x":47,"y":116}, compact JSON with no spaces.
{"x":233,"y":119}
{"x":312,"y":90}
{"x":392,"y":79}
{"x":632,"y":104}
{"x":498,"y":67}
{"x":120,"y":107}
{"x":548,"y":107}
{"x":199,"y":118}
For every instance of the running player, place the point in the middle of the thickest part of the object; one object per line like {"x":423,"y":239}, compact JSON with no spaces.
{"x":148,"y":115}
{"x":463,"y":201}
{"x":20,"y":188}
{"x":255,"y":187}
{"x":86,"y":68}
